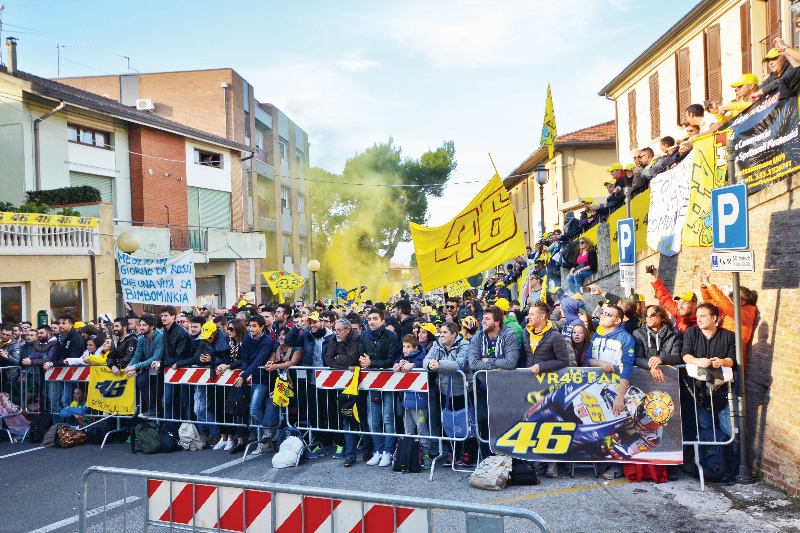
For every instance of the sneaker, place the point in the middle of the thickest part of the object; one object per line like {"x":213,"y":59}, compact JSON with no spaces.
{"x":426,"y":462}
{"x":465,"y":461}
{"x":237,"y":448}
{"x":552,"y":470}
{"x":367,"y":456}
{"x":213,"y":441}
{"x":339,"y":453}
{"x":314,"y":452}
{"x":221,"y":444}
{"x":614,"y":472}
{"x":376,"y":458}
{"x":386,"y":459}
{"x":350,"y":461}
{"x":228,"y":445}
{"x":268,"y":434}
{"x":259,"y":449}
{"x":448,"y":460}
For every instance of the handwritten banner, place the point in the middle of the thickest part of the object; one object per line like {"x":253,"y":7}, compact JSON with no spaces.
{"x":669,"y":202}
{"x":457,"y":288}
{"x":39,"y":219}
{"x":159,"y":281}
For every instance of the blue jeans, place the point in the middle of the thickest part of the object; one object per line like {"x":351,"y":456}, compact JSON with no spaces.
{"x":381,"y":420}
{"x":204,"y":411}
{"x":575,"y":281}
{"x":350,"y":440}
{"x":723,"y":422}
{"x":259,"y":392}
{"x":176,"y":402}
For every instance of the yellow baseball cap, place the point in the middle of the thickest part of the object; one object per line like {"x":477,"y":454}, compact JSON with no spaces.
{"x":430,"y":328}
{"x":746,"y":79}
{"x":314,"y":317}
{"x":688,"y":296}
{"x":501,"y":283}
{"x":614,"y":166}
{"x":207,"y":330}
{"x":609,"y":182}
{"x":772,"y":54}
{"x":78,"y":325}
{"x":588,"y":200}
{"x":630,"y":166}
{"x":503,"y":304}
{"x":241,"y":303}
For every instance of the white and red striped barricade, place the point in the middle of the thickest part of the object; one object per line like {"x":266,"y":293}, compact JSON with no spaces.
{"x":244,"y":510}
{"x":68,"y":373}
{"x":384,"y":380}
{"x":201,"y":376}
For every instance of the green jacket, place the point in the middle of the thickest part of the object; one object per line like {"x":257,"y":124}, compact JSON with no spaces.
{"x":511,"y":322}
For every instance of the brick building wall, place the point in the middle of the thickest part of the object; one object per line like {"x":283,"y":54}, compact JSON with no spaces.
{"x":155,"y":197}
{"x":773,"y":375}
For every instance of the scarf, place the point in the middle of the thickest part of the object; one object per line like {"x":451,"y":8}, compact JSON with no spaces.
{"x":373,"y":336}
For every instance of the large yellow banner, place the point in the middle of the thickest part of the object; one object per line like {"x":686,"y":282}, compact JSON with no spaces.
{"x":709,"y":169}
{"x":483,"y":235}
{"x":39,"y":219}
{"x":110,"y":393}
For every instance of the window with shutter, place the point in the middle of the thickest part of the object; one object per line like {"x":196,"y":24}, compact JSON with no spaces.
{"x":655,"y":108}
{"x":215,"y":209}
{"x":193,"y":200}
{"x":713,"y":65}
{"x":101,"y":183}
{"x":747,"y":43}
{"x":684,"y":87}
{"x":632,"y":118}
{"x":773,"y":21}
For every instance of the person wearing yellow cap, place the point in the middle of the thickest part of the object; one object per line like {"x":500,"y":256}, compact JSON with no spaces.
{"x":744,"y":87}
{"x":683,"y":307}
{"x":777,"y":64}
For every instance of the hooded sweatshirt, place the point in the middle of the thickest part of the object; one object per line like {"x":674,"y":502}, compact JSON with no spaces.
{"x":666,"y":343}
{"x":415,"y":400}
{"x":570,"y":307}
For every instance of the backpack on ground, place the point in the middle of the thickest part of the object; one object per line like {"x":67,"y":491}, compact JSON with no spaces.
{"x":290,"y":453}
{"x":97,"y":432}
{"x":189,"y":438}
{"x":69,"y":438}
{"x":407,"y":456}
{"x":170,"y":442}
{"x":492,"y":473}
{"x":145,"y":437}
{"x":715,"y":458}
{"x":39,"y":427}
{"x":523,"y":473}
{"x":284,"y":433}
{"x":50,"y":438}
{"x":645,"y":472}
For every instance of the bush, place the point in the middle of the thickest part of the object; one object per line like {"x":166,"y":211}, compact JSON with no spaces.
{"x":66,"y":195}
{"x":34,"y":206}
{"x":6,"y":207}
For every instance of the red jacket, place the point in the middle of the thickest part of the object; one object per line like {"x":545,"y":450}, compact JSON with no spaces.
{"x":666,"y":301}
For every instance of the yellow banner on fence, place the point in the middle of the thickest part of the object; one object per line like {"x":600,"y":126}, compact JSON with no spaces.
{"x":109,"y":393}
{"x":483,"y":235}
{"x":709,"y":170}
{"x":39,"y":219}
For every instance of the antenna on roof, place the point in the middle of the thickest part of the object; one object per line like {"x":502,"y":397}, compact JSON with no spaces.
{"x":60,"y":46}
{"x":2,"y":7}
{"x":129,"y":63}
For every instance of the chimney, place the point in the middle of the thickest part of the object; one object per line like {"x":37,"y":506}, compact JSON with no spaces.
{"x":11,"y":54}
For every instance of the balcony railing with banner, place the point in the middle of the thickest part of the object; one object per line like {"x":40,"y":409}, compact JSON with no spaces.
{"x":30,"y":238}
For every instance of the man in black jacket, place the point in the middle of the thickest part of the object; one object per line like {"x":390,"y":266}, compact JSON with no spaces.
{"x":344,"y":353}
{"x":124,"y":329}
{"x":381,"y":349}
{"x":177,"y":346}
{"x":403,"y":308}
{"x":70,"y":344}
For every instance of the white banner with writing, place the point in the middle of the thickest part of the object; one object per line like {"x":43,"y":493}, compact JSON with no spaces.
{"x":158,"y":281}
{"x":669,"y":201}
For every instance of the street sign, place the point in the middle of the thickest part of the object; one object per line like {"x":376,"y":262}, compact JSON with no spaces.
{"x":729,"y":217}
{"x":743,"y":261}
{"x":627,"y":276}
{"x":626,"y":241}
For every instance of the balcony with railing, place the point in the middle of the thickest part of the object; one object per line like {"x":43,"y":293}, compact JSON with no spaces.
{"x":212,"y":243}
{"x":47,"y":239}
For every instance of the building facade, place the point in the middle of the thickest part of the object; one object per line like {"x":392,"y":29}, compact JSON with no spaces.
{"x":269,"y":194}
{"x":576,"y":170}
{"x":696,"y":60}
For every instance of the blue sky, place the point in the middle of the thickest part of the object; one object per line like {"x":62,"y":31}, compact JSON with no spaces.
{"x":356,"y":72}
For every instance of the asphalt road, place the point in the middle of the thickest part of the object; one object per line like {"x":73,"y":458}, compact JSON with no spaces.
{"x":39,"y":488}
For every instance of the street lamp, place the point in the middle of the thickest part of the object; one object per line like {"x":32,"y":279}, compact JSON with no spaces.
{"x":313,"y":267}
{"x":128,"y":242}
{"x":541,"y":174}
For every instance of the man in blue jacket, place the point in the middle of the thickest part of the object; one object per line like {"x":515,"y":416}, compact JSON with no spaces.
{"x":149,"y":348}
{"x":614,"y":350}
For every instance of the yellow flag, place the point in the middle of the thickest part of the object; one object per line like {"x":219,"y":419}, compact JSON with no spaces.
{"x":482,"y":236}
{"x":110,"y":393}
{"x":549,"y":132}
{"x":709,"y":171}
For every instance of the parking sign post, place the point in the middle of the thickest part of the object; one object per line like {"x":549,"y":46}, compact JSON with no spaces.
{"x":626,"y":244}
{"x":731,"y":232}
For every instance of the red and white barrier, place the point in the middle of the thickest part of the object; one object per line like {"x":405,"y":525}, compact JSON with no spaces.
{"x":384,"y":380}
{"x":67,"y":373}
{"x":243,"y":510}
{"x":201,"y":376}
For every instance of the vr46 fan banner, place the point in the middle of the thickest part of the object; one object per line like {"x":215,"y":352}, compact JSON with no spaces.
{"x":567,"y":416}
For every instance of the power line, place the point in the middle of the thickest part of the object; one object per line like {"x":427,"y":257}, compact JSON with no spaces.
{"x":24,"y":28}
{"x":86,"y":66}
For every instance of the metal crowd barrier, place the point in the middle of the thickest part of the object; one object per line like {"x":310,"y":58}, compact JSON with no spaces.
{"x":198,"y":503}
{"x":13,"y":393}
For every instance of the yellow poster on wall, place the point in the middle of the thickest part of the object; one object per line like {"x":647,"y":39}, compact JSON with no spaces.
{"x":709,"y":170}
{"x":110,"y":393}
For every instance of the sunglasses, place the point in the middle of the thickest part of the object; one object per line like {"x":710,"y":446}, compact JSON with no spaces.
{"x":606,"y":313}
{"x":651,"y":315}
{"x":451,"y":306}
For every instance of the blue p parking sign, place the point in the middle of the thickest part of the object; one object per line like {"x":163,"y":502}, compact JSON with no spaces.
{"x":729,"y":217}
{"x":626,"y":241}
